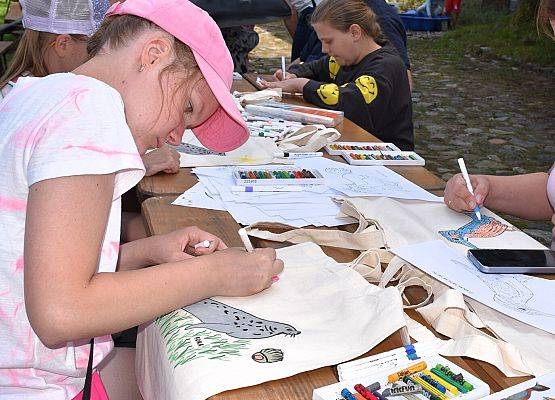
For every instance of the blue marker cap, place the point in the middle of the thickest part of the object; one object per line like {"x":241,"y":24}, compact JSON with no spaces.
{"x":347,"y":395}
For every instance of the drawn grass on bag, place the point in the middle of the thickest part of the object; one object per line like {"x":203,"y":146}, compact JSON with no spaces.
{"x":510,"y":291}
{"x":184,"y":345}
{"x":487,"y":227}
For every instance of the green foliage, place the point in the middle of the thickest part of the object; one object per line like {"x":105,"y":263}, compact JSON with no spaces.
{"x":184,"y":345}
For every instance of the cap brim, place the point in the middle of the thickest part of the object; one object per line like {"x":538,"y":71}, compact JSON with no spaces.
{"x":226,"y":129}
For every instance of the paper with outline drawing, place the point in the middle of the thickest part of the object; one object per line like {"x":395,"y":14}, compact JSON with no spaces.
{"x":525,"y":298}
{"x":360,"y":181}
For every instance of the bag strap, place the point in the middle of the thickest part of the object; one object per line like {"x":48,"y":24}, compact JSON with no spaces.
{"x":88,"y":377}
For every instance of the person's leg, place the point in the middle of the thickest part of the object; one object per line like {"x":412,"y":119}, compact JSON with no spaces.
{"x":118,"y":375}
{"x":132,"y":227}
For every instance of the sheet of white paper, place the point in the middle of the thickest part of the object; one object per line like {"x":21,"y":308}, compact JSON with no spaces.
{"x":525,"y":298}
{"x":359,"y":181}
{"x":199,"y":197}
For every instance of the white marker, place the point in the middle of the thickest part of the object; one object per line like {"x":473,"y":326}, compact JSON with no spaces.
{"x":469,"y":185}
{"x":284,"y":188}
{"x":299,"y":155}
{"x":245,"y":239}
{"x":205,"y":244}
{"x":282,"y":68}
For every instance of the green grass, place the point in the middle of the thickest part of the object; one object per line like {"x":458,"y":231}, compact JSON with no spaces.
{"x":501,"y":38}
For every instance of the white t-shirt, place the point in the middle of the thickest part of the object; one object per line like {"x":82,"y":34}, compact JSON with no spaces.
{"x":60,"y":125}
{"x":551,"y":196}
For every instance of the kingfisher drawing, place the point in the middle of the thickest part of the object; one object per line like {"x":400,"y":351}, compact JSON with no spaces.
{"x":487,"y":227}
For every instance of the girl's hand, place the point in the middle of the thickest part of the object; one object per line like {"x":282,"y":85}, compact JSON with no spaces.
{"x":294,"y":85}
{"x":180,"y":245}
{"x":279,"y":75}
{"x":161,"y":159}
{"x":238,"y":273}
{"x":457,"y":196}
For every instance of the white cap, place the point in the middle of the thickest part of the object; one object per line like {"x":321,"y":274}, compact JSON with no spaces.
{"x":80,"y":17}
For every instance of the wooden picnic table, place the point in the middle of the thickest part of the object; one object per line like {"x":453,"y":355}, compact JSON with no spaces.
{"x":14,"y":12}
{"x":161,"y":217}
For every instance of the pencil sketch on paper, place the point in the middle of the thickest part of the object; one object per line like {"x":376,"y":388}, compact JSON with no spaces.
{"x":509,"y":291}
{"x":359,"y":183}
{"x":224,"y":332}
{"x":487,"y":227}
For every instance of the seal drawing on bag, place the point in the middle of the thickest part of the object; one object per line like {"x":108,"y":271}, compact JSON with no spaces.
{"x":487,"y":227}
{"x":234,"y":322}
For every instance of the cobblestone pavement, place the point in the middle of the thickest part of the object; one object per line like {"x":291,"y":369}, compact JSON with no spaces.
{"x":498,"y":116}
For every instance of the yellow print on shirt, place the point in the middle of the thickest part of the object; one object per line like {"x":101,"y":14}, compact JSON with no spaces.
{"x":329,"y":93}
{"x":333,"y":66}
{"x":368,"y":87}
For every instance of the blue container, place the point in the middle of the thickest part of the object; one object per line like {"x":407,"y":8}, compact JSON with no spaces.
{"x":414,"y":22}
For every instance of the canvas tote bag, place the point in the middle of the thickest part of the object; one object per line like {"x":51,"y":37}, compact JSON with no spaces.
{"x":308,"y":138}
{"x":319,"y":313}
{"x":402,"y":222}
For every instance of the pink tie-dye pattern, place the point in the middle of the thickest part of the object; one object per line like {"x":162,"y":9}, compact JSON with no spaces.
{"x":101,"y":150}
{"x":12,"y":204}
{"x":75,"y":93}
{"x":18,"y":265}
{"x":111,"y":251}
{"x":13,"y":377}
{"x":22,"y":135}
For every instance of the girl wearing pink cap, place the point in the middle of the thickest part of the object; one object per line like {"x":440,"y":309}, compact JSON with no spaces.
{"x":71,"y":144}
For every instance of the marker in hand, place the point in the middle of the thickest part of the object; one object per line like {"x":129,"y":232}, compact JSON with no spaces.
{"x":204,"y":244}
{"x":469,"y":186}
{"x":282,"y":68}
{"x":248,"y":246}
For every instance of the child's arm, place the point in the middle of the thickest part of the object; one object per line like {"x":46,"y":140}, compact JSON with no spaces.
{"x":67,"y":300}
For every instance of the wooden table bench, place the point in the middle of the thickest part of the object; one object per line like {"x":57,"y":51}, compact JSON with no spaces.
{"x":161,"y":217}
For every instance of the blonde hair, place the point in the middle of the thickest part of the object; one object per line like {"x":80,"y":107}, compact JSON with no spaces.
{"x":117,"y":31}
{"x":546,"y":10}
{"x":341,"y":14}
{"x":29,"y":55}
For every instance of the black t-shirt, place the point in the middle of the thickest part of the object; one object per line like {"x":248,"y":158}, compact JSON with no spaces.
{"x":374,"y":93}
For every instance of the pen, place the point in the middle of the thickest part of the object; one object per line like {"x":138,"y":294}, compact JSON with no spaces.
{"x":284,"y":188}
{"x":282,"y":68}
{"x":204,"y":243}
{"x":299,"y":155}
{"x":248,"y":246}
{"x":469,"y":186}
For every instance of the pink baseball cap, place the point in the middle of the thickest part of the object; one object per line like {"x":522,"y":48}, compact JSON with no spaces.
{"x":225,"y":130}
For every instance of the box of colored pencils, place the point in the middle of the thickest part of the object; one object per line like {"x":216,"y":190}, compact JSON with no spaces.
{"x":395,"y":376}
{"x":364,"y":157}
{"x":306,"y":115}
{"x":283,"y":175}
{"x":337,"y":148}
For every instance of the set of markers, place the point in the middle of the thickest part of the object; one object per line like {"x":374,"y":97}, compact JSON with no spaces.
{"x":305,"y":115}
{"x":282,"y":175}
{"x":372,"y":153}
{"x":394,"y":376}
{"x":274,"y":128}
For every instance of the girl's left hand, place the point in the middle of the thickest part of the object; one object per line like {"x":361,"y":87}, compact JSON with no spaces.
{"x":294,"y":85}
{"x":180,"y":245}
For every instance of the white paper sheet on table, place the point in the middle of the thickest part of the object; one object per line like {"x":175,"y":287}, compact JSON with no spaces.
{"x":360,"y":181}
{"x":199,"y":197}
{"x":525,"y":298}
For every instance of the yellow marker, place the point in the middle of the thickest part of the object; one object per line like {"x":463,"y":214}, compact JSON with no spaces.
{"x":407,"y":371}
{"x":439,"y":379}
{"x":429,"y":388}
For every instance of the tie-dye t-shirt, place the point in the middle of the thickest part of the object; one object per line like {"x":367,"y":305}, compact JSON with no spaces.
{"x":61,"y":125}
{"x":551,"y":196}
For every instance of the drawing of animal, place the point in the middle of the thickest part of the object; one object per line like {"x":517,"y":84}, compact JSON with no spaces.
{"x":234,"y":322}
{"x":192,"y":149}
{"x":268,"y":356}
{"x":487,"y":227}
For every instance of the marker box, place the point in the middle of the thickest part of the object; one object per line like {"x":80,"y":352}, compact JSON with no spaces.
{"x":361,"y":157}
{"x":337,"y":148}
{"x":376,"y":369}
{"x":284,"y":175}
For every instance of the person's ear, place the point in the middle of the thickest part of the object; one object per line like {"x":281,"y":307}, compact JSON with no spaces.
{"x":356,"y":32}
{"x":62,"y":44}
{"x":155,"y":51}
